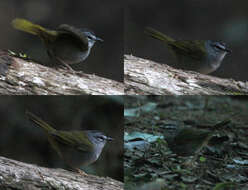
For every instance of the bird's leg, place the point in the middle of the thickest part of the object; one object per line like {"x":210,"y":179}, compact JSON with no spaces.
{"x":191,"y":161}
{"x":81,"y":172}
{"x":71,"y":168}
{"x":77,"y":170}
{"x":68,"y":67}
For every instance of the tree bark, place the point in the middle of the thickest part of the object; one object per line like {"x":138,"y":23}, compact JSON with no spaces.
{"x":146,"y":77}
{"x":20,"y":76}
{"x":18,"y":175}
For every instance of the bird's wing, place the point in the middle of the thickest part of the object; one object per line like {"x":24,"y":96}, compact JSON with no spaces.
{"x":74,"y":32}
{"x":75,"y":139}
{"x":196,"y":49}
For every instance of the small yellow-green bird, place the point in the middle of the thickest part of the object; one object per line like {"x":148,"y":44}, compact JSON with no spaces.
{"x":66,"y":45}
{"x":203,"y":56}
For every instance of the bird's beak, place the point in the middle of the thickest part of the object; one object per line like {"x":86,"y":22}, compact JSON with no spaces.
{"x":228,"y":50}
{"x":99,"y":39}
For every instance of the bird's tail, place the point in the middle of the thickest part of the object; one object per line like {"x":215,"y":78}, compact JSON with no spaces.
{"x":39,"y":122}
{"x":158,"y":35}
{"x":35,"y":29}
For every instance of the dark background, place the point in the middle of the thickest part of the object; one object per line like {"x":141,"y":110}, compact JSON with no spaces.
{"x":21,"y":140}
{"x":104,"y":17}
{"x":224,"y":20}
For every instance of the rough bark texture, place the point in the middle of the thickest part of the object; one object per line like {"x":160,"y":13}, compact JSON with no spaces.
{"x":18,"y":175}
{"x":24,"y":77}
{"x":146,"y":77}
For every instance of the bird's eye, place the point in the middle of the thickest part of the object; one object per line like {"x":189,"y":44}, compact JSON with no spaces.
{"x":90,"y":37}
{"x":218,"y":47}
{"x":101,"y":138}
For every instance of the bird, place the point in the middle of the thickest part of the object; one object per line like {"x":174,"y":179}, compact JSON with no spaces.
{"x":66,"y":45}
{"x":187,"y":141}
{"x":75,"y":148}
{"x":203,"y":56}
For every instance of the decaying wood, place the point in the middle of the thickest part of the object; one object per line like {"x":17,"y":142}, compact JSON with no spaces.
{"x":146,"y":77}
{"x":18,"y":175}
{"x":24,"y":77}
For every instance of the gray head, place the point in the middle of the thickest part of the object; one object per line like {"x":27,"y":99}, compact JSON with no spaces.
{"x":217,"y":49}
{"x":91,"y":37}
{"x":216,"y":52}
{"x":98,"y":139}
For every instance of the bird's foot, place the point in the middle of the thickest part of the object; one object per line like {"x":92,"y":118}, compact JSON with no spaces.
{"x":81,"y":172}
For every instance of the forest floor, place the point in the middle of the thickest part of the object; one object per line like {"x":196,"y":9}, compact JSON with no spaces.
{"x":150,"y":164}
